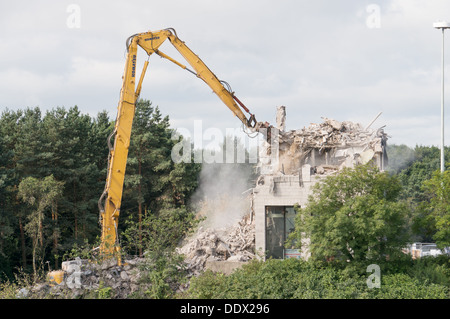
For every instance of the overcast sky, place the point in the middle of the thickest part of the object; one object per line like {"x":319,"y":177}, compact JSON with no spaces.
{"x":347,"y":60}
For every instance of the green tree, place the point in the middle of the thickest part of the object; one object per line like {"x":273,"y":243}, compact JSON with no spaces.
{"x":41,"y":194}
{"x":153,"y":182}
{"x":433,"y":218}
{"x":72,"y":147}
{"x":28,"y":148}
{"x":354,"y":215}
{"x":8,"y":242}
{"x":22,"y":136}
{"x":426,"y":161}
{"x":158,"y":235}
{"x":139,"y":160}
{"x":77,"y":154}
{"x":67,"y":146}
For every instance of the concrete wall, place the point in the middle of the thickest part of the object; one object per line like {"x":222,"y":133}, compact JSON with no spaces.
{"x":284,"y":190}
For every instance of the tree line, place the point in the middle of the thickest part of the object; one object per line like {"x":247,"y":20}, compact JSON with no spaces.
{"x":53,"y":171}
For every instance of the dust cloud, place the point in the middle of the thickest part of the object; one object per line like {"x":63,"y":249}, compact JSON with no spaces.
{"x":222,"y":197}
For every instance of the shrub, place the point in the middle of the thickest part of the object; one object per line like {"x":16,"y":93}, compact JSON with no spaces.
{"x":298,"y":279}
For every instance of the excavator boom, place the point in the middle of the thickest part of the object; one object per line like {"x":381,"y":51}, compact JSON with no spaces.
{"x":110,"y":201}
{"x":151,"y":41}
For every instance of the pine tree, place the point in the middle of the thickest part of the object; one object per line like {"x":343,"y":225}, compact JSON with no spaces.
{"x":22,"y":136}
{"x":40,"y":194}
{"x":153,"y":182}
{"x":7,"y":238}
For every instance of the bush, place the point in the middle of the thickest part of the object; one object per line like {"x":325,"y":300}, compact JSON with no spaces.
{"x":298,"y":279}
{"x":402,"y":286}
{"x":434,"y":269}
{"x":209,"y":285}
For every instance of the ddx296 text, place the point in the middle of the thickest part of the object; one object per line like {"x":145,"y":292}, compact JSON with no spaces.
{"x":234,"y":308}
{"x":246,"y":308}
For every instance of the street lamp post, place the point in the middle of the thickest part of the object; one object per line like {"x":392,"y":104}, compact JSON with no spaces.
{"x":442,"y":25}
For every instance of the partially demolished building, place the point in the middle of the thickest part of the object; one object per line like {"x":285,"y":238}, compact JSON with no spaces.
{"x":289,"y":166}
{"x":293,"y":162}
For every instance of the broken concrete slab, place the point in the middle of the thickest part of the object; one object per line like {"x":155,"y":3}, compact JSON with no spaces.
{"x":340,"y":144}
{"x":281,"y":118}
{"x":230,"y":244}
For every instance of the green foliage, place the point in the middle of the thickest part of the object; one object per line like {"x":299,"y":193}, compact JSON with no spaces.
{"x":402,"y":286}
{"x":153,"y":181}
{"x":278,"y":279}
{"x":420,"y":182}
{"x":9,"y":289}
{"x":104,"y":292}
{"x":40,"y":194}
{"x":435,"y":270}
{"x":426,"y":161}
{"x":66,"y":145}
{"x":434,"y":210}
{"x":208,"y":285}
{"x":152,"y":177}
{"x":8,"y":240}
{"x":297,"y":279}
{"x":161,"y":273}
{"x":159,"y":232}
{"x":158,"y":235}
{"x":353,"y":215}
{"x":81,"y":250}
{"x":71,"y":147}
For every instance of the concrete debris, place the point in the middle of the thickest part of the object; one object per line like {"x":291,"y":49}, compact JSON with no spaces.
{"x":219,"y":249}
{"x":326,"y":147}
{"x":83,"y":277}
{"x":229,"y":245}
{"x":281,"y":118}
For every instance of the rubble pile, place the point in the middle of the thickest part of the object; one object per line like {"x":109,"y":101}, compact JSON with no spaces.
{"x":235,"y":243}
{"x":83,"y":279}
{"x":331,"y":134}
{"x":326,"y":147}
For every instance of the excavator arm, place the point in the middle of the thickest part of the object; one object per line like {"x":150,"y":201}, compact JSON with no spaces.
{"x":151,"y":41}
{"x":110,"y":201}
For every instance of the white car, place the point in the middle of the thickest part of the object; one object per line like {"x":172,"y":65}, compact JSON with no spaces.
{"x":430,"y":250}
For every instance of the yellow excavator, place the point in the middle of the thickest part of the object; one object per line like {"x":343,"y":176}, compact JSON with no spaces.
{"x":110,"y":200}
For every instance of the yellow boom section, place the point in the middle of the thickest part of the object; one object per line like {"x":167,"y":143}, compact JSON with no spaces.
{"x":110,"y":201}
{"x":151,"y":41}
{"x":118,"y":154}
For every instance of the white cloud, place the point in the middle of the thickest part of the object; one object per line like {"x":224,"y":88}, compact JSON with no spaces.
{"x":27,"y":87}
{"x":88,"y":73}
{"x":319,"y":58}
